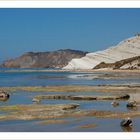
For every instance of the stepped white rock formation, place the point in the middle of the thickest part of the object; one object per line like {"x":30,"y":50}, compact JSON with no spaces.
{"x":125,"y":49}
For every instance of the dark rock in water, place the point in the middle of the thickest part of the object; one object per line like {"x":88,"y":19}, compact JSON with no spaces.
{"x":4,"y":96}
{"x":126,"y":122}
{"x":54,"y":59}
{"x":80,"y":97}
{"x":124,"y":97}
{"x":114,"y":103}
{"x":132,"y":104}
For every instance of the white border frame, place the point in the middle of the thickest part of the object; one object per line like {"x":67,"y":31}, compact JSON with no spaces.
{"x":70,"y":4}
{"x":69,"y":135}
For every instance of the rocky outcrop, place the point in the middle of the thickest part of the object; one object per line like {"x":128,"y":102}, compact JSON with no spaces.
{"x":82,"y":97}
{"x":4,"y":96}
{"x":57,"y":111}
{"x":35,"y":111}
{"x":55,"y":59}
{"x":132,"y":104}
{"x":130,"y":63}
{"x":126,"y":122}
{"x":113,"y":88}
{"x":126,"y":49}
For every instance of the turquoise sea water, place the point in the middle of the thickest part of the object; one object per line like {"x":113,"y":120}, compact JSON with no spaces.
{"x":16,"y":77}
{"x":31,"y":77}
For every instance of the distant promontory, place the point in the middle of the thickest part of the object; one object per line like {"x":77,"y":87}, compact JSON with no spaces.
{"x":53,"y":59}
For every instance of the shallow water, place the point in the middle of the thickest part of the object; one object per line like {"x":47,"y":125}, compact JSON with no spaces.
{"x":25,"y":78}
{"x":17,"y":78}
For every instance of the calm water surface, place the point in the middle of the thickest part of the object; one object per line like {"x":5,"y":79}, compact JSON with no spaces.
{"x":16,"y":78}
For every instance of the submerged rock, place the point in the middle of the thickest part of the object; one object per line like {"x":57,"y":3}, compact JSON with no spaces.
{"x":86,"y":125}
{"x":4,"y":96}
{"x":52,"y":121}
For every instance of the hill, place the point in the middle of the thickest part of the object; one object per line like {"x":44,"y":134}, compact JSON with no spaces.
{"x":54,"y":59}
{"x":130,"y":63}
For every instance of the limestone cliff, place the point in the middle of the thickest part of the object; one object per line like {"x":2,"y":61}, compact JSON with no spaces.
{"x":126,"y":49}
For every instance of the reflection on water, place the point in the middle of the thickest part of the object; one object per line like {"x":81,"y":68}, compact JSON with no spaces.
{"x":3,"y":99}
{"x":126,"y":129}
{"x":133,"y":108}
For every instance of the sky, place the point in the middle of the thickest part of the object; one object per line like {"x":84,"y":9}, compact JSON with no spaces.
{"x":38,"y":30}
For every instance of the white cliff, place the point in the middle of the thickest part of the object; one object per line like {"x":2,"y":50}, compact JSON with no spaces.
{"x":125,"y":49}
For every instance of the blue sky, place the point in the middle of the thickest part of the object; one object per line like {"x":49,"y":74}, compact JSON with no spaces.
{"x":23,"y":30}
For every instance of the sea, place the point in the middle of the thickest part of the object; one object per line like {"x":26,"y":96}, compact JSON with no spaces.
{"x":46,"y":77}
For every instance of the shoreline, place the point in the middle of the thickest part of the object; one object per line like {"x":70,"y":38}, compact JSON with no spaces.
{"x":77,"y":88}
{"x":61,"y":70}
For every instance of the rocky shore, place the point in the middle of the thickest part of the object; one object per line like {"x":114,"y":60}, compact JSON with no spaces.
{"x":30,"y":112}
{"x":57,"y":113}
{"x":116,"y":88}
